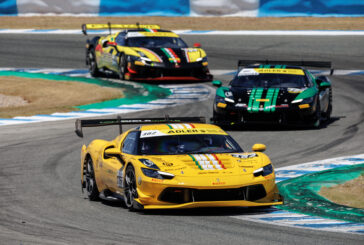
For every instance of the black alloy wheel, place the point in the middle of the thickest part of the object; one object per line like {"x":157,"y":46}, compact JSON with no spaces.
{"x":122,"y":66}
{"x":92,"y":65}
{"x":91,"y":186}
{"x":130,"y":191}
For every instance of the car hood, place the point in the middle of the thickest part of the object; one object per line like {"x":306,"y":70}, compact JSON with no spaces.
{"x":172,"y":55}
{"x":210,"y":164}
{"x":263,"y":98}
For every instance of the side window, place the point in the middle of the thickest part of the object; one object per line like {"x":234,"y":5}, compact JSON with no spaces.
{"x":120,"y":39}
{"x":130,"y":143}
{"x":310,"y":79}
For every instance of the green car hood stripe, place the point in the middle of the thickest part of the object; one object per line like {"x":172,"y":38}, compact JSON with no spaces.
{"x":274,"y":102}
{"x":257,"y":96}
{"x":251,"y":98}
{"x":269,"y":96}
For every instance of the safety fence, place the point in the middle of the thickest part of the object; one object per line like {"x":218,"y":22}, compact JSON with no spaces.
{"x":251,"y":8}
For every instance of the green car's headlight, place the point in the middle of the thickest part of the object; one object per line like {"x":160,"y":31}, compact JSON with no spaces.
{"x":264,"y":171}
{"x":308,"y":100}
{"x":156,"y":174}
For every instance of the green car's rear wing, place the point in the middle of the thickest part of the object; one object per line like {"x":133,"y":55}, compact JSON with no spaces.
{"x":318,"y":64}
{"x":110,"y":26}
{"x":124,"y":121}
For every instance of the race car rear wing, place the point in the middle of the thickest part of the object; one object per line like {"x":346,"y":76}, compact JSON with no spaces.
{"x":124,"y":121}
{"x":319,"y":64}
{"x":110,"y":26}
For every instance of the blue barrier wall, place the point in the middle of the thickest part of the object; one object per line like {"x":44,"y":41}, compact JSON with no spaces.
{"x":8,"y":7}
{"x":282,"y":8}
{"x":145,"y":7}
{"x":260,"y":8}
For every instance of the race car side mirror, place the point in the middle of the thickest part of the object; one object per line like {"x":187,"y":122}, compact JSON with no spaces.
{"x":112,"y":152}
{"x":323,"y":82}
{"x":259,"y":147}
{"x":217,"y":83}
{"x":197,"y":45}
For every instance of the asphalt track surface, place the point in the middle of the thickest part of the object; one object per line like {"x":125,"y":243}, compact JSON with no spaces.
{"x":40,"y":194}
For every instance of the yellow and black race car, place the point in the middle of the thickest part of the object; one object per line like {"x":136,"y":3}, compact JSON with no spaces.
{"x":175,"y":163}
{"x":144,"y":52}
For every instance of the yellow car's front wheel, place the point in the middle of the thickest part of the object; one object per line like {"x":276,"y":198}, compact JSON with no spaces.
{"x":130,"y":191}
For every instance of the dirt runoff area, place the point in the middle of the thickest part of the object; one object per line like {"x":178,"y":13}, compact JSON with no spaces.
{"x":349,"y":193}
{"x":189,"y":23}
{"x":27,"y":96}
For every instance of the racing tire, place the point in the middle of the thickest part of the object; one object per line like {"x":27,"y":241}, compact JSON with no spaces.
{"x":316,"y":120}
{"x":92,"y":64}
{"x":122,"y":66}
{"x":216,"y":118}
{"x":90,"y":182}
{"x":327,"y":114}
{"x":130,"y":190}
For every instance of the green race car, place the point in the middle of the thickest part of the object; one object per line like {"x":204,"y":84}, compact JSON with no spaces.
{"x":274,"y":91}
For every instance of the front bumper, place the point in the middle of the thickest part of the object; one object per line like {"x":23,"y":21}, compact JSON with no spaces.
{"x":162,"y":72}
{"x":171,"y":194}
{"x":281,"y":114}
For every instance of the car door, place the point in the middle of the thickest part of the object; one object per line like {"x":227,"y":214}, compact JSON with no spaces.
{"x":111,"y":165}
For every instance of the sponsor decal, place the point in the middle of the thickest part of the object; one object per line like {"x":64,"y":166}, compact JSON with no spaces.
{"x":180,"y":129}
{"x":244,"y":156}
{"x":157,"y":180}
{"x":248,"y":72}
{"x":280,"y":71}
{"x":151,"y":133}
{"x":119,"y":178}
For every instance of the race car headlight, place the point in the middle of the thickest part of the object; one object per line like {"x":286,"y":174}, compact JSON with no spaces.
{"x":149,"y":163}
{"x":229,"y":97}
{"x":307,"y":100}
{"x":264,"y":171}
{"x":157,"y":174}
{"x":304,"y":101}
{"x":295,"y":90}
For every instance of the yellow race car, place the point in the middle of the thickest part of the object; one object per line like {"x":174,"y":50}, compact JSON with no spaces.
{"x":175,"y":163}
{"x":144,"y":52}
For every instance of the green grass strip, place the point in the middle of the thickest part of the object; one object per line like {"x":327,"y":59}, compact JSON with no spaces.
{"x":134,"y":92}
{"x":301,"y":194}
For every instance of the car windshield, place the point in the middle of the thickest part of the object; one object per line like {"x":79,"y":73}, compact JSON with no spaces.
{"x":187,"y":144}
{"x":268,"y":80}
{"x":156,"y":42}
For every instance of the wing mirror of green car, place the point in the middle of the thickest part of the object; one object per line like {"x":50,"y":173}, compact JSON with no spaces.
{"x":217,"y":83}
{"x":323,"y":82}
{"x":259,"y":147}
{"x":112,"y":152}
